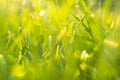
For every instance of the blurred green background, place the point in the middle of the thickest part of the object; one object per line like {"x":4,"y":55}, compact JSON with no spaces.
{"x":59,"y":40}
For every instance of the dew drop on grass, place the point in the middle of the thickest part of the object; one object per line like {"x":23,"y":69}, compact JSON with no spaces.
{"x":42,"y":13}
{"x":50,"y":38}
{"x":1,"y":56}
{"x":84,"y":55}
{"x":92,"y":15}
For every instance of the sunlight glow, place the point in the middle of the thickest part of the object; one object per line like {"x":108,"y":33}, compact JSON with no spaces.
{"x":42,"y":12}
{"x":84,"y":55}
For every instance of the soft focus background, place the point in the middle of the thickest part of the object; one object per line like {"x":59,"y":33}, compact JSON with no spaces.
{"x":59,"y":40}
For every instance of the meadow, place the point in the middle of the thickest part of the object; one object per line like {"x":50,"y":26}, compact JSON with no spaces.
{"x":59,"y":40}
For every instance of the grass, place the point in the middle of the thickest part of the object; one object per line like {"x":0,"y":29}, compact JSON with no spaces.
{"x":59,"y":40}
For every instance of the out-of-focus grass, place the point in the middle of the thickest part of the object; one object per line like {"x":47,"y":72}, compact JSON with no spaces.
{"x":59,"y":40}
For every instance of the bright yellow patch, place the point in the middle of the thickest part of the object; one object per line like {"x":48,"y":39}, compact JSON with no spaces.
{"x":18,"y":71}
{"x":83,"y":66}
{"x":111,"y":43}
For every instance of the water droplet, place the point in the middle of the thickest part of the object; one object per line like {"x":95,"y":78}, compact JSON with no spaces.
{"x":92,"y":15}
{"x":84,"y":55}
{"x":42,"y":12}
{"x":50,"y":38}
